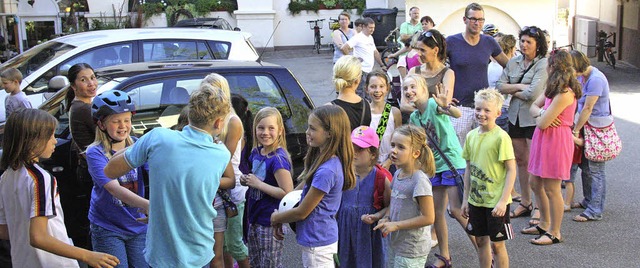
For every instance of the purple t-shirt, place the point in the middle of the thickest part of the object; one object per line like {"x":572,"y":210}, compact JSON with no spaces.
{"x":470,"y":64}
{"x":260,"y":206}
{"x":320,"y":228}
{"x":596,"y":85}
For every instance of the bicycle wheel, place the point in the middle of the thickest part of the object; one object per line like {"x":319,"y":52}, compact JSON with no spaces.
{"x":317,"y":43}
{"x":606,"y":58}
{"x":612,"y":59}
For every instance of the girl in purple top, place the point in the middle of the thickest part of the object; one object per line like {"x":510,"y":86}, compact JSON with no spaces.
{"x":268,"y":184}
{"x":328,"y":170}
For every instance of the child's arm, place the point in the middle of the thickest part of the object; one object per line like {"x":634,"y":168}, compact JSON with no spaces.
{"x":234,"y":135}
{"x":4,"y":232}
{"x":465,"y":196}
{"x":510,"y":179}
{"x":307,"y":205}
{"x":549,"y":118}
{"x":372,"y":218}
{"x":283,"y":177}
{"x":578,"y":141}
{"x":228,"y":180}
{"x":39,"y":238}
{"x":443,"y":100}
{"x":397,"y":117}
{"x":117,"y":165}
{"x":425,"y":204}
{"x":126,"y":195}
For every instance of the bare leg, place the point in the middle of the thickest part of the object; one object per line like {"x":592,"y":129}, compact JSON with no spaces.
{"x":455,"y":204}
{"x":484,"y":251}
{"x":218,"y":260}
{"x":542,"y":200}
{"x":228,"y":261}
{"x":500,"y":254}
{"x":569,"y":193}
{"x":556,"y":206}
{"x":440,"y":224}
{"x":521,"y":150}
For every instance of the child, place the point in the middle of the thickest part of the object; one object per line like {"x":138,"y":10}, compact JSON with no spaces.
{"x":328,"y":170}
{"x":554,"y":112}
{"x":359,"y":245}
{"x":268,"y":184}
{"x":411,"y":210}
{"x":114,"y":203}
{"x":575,"y":164}
{"x":11,"y":79}
{"x":384,"y":117}
{"x":488,"y":180}
{"x":30,"y":212}
{"x":432,"y":114}
{"x":181,"y":190}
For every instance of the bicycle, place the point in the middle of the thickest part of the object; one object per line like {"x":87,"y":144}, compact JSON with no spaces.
{"x":607,"y":48}
{"x":333,"y":25}
{"x":392,"y":47}
{"x":316,"y":25}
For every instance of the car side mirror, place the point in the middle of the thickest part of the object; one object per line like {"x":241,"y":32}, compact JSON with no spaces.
{"x":57,"y":83}
{"x":236,"y":29}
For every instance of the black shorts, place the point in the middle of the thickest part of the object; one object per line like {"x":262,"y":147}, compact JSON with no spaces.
{"x":518,"y":132}
{"x":482,"y":223}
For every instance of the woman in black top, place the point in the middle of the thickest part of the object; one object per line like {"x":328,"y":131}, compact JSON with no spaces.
{"x":347,"y":73}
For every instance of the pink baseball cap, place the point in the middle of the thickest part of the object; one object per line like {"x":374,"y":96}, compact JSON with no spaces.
{"x":365,"y":137}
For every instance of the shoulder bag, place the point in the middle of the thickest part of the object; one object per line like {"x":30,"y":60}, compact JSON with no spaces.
{"x":601,"y":143}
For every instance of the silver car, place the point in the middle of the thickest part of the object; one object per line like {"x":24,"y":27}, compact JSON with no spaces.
{"x":113,"y":47}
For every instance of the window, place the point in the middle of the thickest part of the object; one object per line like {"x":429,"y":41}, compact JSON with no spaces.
{"x":175,"y":50}
{"x":260,"y":90}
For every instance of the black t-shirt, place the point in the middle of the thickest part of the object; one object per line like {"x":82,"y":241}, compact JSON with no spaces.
{"x":83,"y":129}
{"x":359,"y":113}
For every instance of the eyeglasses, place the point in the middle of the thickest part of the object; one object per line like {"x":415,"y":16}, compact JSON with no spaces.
{"x":533,"y":30}
{"x":429,"y":34}
{"x":474,"y":20}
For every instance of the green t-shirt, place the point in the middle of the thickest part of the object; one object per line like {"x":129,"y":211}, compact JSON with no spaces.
{"x":441,"y":129}
{"x":407,"y":28}
{"x":486,"y":153}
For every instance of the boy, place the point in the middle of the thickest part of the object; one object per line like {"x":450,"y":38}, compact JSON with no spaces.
{"x":358,"y":24}
{"x":185,"y":169}
{"x":11,"y":79}
{"x":488,"y":180}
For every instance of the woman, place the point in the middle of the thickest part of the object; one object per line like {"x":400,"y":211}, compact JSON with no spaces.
{"x":554,"y":113}
{"x":347,"y":73}
{"x":342,"y":34}
{"x":82,"y":89}
{"x":523,"y":79}
{"x":593,"y":107}
{"x":114,"y":214}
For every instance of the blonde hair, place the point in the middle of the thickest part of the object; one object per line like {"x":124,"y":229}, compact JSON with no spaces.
{"x":334,"y":120}
{"x":207,"y":104}
{"x":12,"y":74}
{"x":346,"y":72}
{"x":425,"y":160}
{"x":220,"y":82}
{"x":281,"y":140}
{"x":420,"y":83}
{"x":25,"y":137}
{"x":490,"y":95}
{"x":102,"y":138}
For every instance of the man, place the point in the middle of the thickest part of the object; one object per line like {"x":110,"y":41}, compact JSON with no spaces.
{"x":185,"y":169}
{"x":409,"y":28}
{"x":364,"y":48}
{"x":469,"y":54}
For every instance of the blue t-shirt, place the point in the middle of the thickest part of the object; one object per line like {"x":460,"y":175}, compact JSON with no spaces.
{"x":596,"y":85}
{"x":470,"y":64}
{"x":185,"y":168}
{"x":107,"y":211}
{"x":260,"y":206}
{"x":320,"y":228}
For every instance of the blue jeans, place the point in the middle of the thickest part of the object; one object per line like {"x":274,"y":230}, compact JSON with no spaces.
{"x":127,"y":248}
{"x":594,"y":186}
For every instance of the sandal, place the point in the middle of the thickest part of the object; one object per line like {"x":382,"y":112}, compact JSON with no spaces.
{"x":583,"y":218}
{"x":577,"y":205}
{"x":523,"y":213}
{"x":516,"y":198}
{"x":447,"y":262}
{"x":535,"y":230}
{"x":552,"y":240}
{"x":534,"y":220}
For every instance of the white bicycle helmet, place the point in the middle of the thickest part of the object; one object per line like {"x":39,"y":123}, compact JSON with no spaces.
{"x":289,"y":201}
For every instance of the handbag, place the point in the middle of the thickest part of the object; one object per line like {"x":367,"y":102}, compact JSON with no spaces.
{"x":230,"y":208}
{"x":601,"y":144}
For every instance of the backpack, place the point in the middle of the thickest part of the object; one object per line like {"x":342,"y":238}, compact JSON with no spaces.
{"x":378,"y":186}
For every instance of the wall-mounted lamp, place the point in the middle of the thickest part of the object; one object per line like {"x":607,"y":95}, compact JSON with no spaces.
{"x":31,"y":2}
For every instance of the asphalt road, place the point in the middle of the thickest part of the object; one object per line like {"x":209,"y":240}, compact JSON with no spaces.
{"x":611,"y":242}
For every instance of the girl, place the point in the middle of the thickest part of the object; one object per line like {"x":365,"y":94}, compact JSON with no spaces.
{"x":29,"y":201}
{"x":433,"y":115}
{"x":113,"y":212}
{"x":384,"y":117}
{"x":328,"y":170}
{"x":554,"y":113}
{"x":268,"y":184}
{"x":347,"y":73}
{"x":359,"y":245}
{"x":411,"y":209}
{"x":231,"y":134}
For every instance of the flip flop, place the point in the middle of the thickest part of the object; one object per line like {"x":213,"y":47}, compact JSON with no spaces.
{"x":552,"y":240}
{"x":523,"y":213}
{"x":533,"y":231}
{"x":582,"y":218}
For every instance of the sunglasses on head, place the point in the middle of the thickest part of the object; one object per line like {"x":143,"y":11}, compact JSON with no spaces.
{"x":429,"y":34}
{"x":532,"y":30}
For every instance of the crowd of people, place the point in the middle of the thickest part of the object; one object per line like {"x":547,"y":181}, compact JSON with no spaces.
{"x":473,"y":118}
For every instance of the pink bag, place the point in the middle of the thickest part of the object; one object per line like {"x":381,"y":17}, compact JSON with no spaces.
{"x":601,"y":144}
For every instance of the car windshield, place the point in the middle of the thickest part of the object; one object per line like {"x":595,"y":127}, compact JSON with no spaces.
{"x":34,"y":58}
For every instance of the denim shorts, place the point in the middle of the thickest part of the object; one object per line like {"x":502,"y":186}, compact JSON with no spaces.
{"x":445,"y":178}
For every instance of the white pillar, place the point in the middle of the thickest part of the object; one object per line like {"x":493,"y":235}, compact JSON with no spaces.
{"x":257,"y":18}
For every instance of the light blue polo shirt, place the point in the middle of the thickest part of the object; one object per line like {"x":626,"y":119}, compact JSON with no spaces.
{"x":184,"y":174}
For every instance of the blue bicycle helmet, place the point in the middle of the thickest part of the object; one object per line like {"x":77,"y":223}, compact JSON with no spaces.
{"x":111,"y":102}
